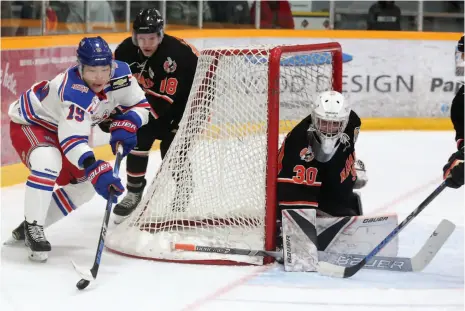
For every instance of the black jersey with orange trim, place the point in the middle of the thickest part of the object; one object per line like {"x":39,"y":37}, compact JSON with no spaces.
{"x":457,"y":116}
{"x":303,"y":182}
{"x":166,"y":76}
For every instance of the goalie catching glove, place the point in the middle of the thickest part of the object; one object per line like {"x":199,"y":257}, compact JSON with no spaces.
{"x":100,"y":174}
{"x":453,"y":170}
{"x":123,"y":130}
{"x":362,"y":178}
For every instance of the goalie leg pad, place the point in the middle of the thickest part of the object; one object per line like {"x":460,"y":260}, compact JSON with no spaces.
{"x":299,"y":240}
{"x":356,"y":235}
{"x":304,"y":234}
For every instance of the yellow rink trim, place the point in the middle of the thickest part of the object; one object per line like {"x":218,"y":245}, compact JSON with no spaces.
{"x":34,"y":42}
{"x":17,"y":173}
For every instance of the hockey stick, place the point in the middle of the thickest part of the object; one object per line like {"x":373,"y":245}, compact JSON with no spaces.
{"x":90,"y":275}
{"x":414,"y":264}
{"x":225,"y":250}
{"x":328,"y":269}
{"x":403,"y":264}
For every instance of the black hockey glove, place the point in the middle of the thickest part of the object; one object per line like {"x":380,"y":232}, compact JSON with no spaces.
{"x":453,"y":170}
{"x":105,"y":124}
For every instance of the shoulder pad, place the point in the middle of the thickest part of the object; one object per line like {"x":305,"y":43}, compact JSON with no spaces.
{"x":122,"y":76}
{"x":74,"y":90}
{"x":354,"y":119}
{"x":121,"y":69}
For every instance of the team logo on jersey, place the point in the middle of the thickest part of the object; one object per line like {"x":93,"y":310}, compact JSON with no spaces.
{"x":307,"y":155}
{"x":349,"y":168}
{"x":146,"y":83}
{"x":345,"y":140}
{"x":170,"y":65}
{"x":80,"y":87}
{"x":356,"y":132}
{"x":96,"y":118}
{"x":119,"y":83}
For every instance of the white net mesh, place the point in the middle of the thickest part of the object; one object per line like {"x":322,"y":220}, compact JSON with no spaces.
{"x":211,"y":187}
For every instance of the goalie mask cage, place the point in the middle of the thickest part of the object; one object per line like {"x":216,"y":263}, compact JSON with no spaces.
{"x":217,"y":183}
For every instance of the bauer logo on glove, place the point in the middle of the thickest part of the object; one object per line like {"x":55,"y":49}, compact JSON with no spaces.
{"x":100,"y":174}
{"x":126,"y":125}
{"x":104,"y":167}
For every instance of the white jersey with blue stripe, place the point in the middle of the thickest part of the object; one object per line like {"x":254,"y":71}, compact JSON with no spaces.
{"x":67,"y":106}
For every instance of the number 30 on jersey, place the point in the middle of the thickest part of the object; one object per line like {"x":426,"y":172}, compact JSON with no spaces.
{"x":305,"y":176}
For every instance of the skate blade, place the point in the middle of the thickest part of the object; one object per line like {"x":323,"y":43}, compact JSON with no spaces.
{"x":119,"y":219}
{"x":38,"y":256}
{"x":12,"y":241}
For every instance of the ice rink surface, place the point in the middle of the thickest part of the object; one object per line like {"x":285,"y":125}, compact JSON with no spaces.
{"x":403,"y":168}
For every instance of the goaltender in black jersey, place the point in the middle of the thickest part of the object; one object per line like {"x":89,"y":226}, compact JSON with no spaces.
{"x":165,"y":67}
{"x":317,"y":164}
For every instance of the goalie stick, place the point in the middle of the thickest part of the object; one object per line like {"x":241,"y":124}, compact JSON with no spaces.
{"x":90,"y":275}
{"x":403,"y":264}
{"x":329,"y":269}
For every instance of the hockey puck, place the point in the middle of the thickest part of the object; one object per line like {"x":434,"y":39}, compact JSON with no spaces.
{"x":82,"y":284}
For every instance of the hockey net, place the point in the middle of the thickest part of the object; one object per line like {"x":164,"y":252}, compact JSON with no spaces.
{"x":217,"y":183}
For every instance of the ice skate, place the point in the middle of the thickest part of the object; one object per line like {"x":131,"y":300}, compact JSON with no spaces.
{"x":123,"y":209}
{"x":36,"y":241}
{"x":17,"y":235}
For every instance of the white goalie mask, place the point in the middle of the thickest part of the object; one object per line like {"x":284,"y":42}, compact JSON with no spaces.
{"x":330,"y":115}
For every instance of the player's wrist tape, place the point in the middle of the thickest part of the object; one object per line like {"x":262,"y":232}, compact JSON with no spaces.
{"x":123,"y":124}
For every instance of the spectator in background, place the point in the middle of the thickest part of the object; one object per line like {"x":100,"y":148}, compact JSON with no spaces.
{"x":32,"y":10}
{"x":51,"y":24}
{"x":100,"y":16}
{"x":6,"y":15}
{"x":186,"y":12}
{"x":384,"y":15}
{"x":231,"y":12}
{"x":274,"y":14}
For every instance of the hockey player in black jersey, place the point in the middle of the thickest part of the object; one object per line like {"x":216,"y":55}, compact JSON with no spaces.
{"x":165,"y":68}
{"x":454,"y":169}
{"x":317,"y":164}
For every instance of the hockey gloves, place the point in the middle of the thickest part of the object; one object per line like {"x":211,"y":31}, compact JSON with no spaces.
{"x":123,"y":130}
{"x":453,"y":170}
{"x":101,"y":176}
{"x":105,"y":124}
{"x":362,"y":178}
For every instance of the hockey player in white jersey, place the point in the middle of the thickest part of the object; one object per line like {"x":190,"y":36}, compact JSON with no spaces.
{"x":50,"y":128}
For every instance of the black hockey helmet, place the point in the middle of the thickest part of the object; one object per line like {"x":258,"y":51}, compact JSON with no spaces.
{"x":148,"y":21}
